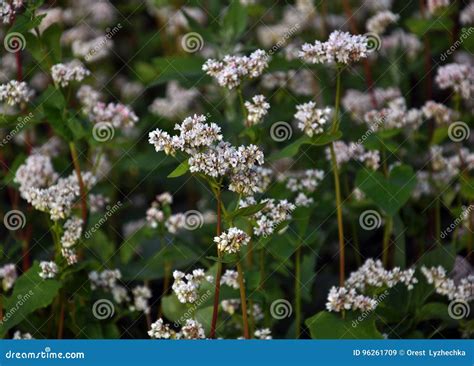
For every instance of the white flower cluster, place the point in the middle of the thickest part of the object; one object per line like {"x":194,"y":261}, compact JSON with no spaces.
{"x":107,"y":280}
{"x":64,"y":74}
{"x":88,"y":97}
{"x":437,"y":276}
{"x":8,"y":275}
{"x":372,"y":274}
{"x":177,"y":102}
{"x":9,"y":9}
{"x":186,"y":286}
{"x":304,"y":183}
{"x":232,"y":70}
{"x":141,"y":295}
{"x":92,"y":50}
{"x":15,"y":92}
{"x":37,"y":171}
{"x":311,"y":120}
{"x":434,"y":6}
{"x":380,"y":21}
{"x":231,"y":241}
{"x":299,"y":82}
{"x":467,"y":14}
{"x":72,"y":232}
{"x":354,"y":151}
{"x":273,"y":214}
{"x":48,"y":270}
{"x":257,"y":109}
{"x":263,"y":334}
{"x":20,"y":335}
{"x":440,"y":113}
{"x":401,"y":40}
{"x":395,"y":115}
{"x":119,"y":115}
{"x":192,"y":329}
{"x":341,"y":48}
{"x":358,"y":103}
{"x":342,"y":298}
{"x":458,"y":77}
{"x":230,"y":278}
{"x":155,"y":214}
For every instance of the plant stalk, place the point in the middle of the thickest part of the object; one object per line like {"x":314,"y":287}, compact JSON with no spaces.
{"x":243,"y":300}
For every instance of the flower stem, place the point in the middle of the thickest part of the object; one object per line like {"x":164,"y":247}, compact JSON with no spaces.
{"x":386,"y":239}
{"x":215,"y":310}
{"x":298,"y":291}
{"x":82,"y":188}
{"x":335,"y":122}
{"x":243,"y":300}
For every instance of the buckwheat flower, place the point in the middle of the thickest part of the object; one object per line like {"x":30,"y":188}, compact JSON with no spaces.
{"x":175,"y":222}
{"x":48,"y":270}
{"x":230,"y":306}
{"x":64,"y":74}
{"x":441,"y":114}
{"x":97,"y":202}
{"x":434,"y":6}
{"x":377,"y":5}
{"x":230,"y":278}
{"x":380,"y":21}
{"x":232,"y":70}
{"x":141,"y":295}
{"x":176,"y":103}
{"x":307,"y":180}
{"x":105,"y":280}
{"x":120,"y":294}
{"x":264,"y":333}
{"x":186,"y":286}
{"x":165,"y":198}
{"x":160,"y":330}
{"x":72,"y":232}
{"x":53,"y":147}
{"x":70,"y":255}
{"x":192,"y":329}
{"x":466,"y":17}
{"x":37,"y":171}
{"x":400,"y":40}
{"x":371,"y":159}
{"x":358,"y":103}
{"x":9,"y":9}
{"x":195,"y":133}
{"x":8,"y":275}
{"x":358,"y":194}
{"x":15,"y":92}
{"x":302,"y":200}
{"x":231,"y":241}
{"x":88,"y":97}
{"x":119,"y":115}
{"x":257,"y":109}
{"x":341,"y":47}
{"x":311,"y":120}
{"x":164,"y":142}
{"x":459,"y":77}
{"x":20,"y":335}
{"x":341,"y":298}
{"x":92,"y":50}
{"x":154,"y":216}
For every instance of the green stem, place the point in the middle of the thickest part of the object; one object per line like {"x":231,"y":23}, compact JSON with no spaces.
{"x":386,"y":239}
{"x":243,"y":300}
{"x":340,"y":227}
{"x":215,"y":310}
{"x":82,"y":187}
{"x":298,"y":291}
{"x":335,"y":122}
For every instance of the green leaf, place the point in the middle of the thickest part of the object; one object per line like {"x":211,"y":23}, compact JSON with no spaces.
{"x":30,"y":293}
{"x":180,"y":170}
{"x":247,"y":211}
{"x":184,"y":69}
{"x":422,"y":26}
{"x":391,"y":193}
{"x":326,"y":325}
{"x":400,"y":245}
{"x":235,"y":20}
{"x":51,"y":37}
{"x":434,"y":310}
